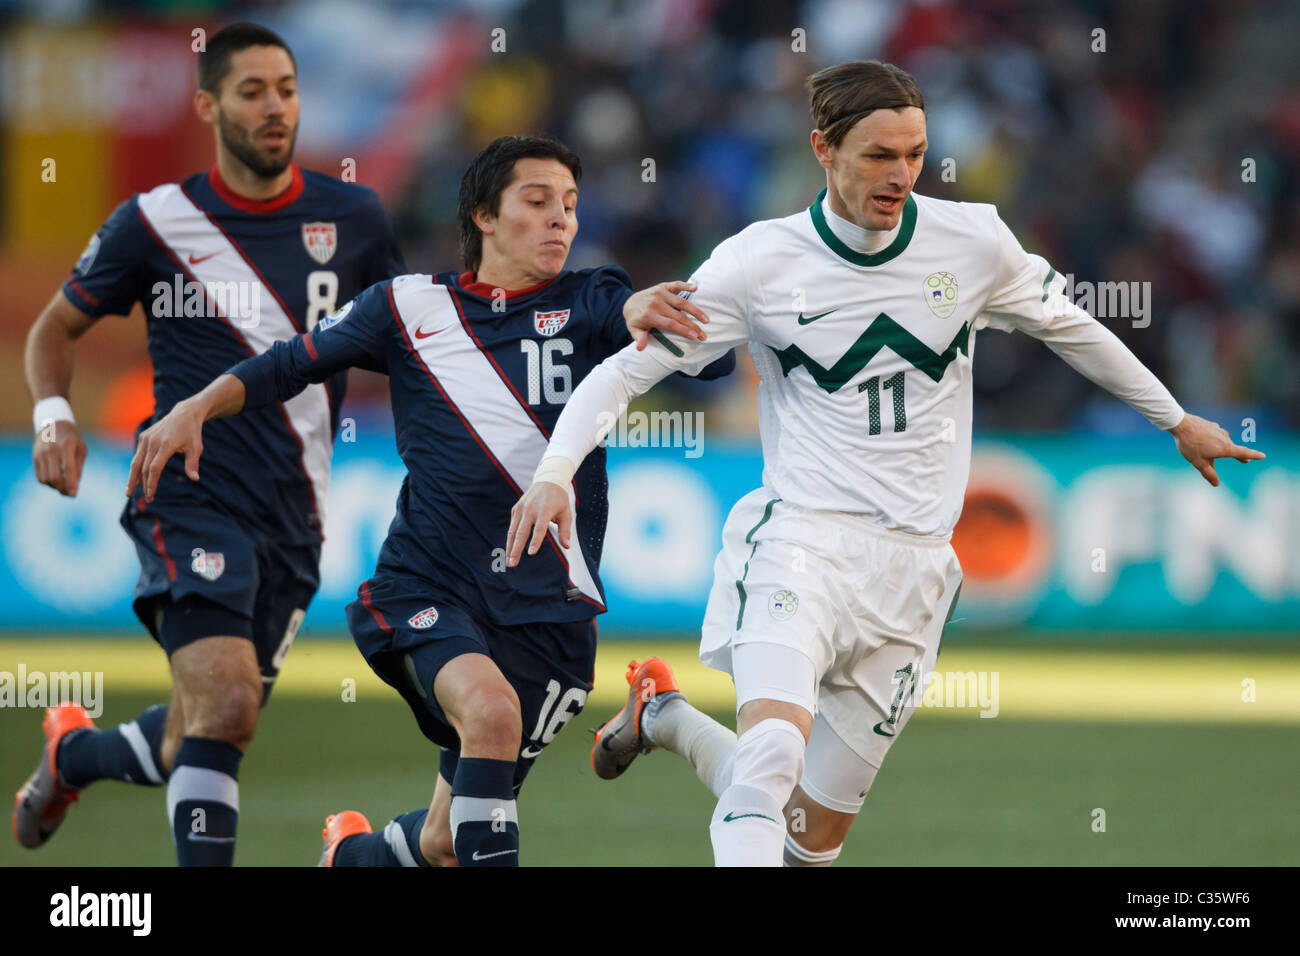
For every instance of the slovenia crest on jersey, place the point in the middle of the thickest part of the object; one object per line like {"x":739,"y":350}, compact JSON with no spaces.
{"x":548,"y":323}
{"x":424,"y":619}
{"x":940,"y":291}
{"x":208,"y":565}
{"x":321,"y":240}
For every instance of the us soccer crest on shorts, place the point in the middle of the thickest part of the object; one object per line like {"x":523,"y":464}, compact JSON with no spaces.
{"x":425,"y":619}
{"x":321,"y":240}
{"x":208,"y":565}
{"x":548,"y":323}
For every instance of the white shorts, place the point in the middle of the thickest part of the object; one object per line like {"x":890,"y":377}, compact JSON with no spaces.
{"x":864,"y":606}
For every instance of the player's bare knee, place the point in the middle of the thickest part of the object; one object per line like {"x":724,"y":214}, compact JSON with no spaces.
{"x":494,"y":726}
{"x":226,"y":713}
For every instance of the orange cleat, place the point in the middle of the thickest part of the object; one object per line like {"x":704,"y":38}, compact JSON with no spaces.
{"x":40,"y":805}
{"x":619,"y":740}
{"x":338,"y":827}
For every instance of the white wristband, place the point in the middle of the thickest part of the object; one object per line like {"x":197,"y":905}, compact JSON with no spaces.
{"x":52,"y":409}
{"x":556,"y":469}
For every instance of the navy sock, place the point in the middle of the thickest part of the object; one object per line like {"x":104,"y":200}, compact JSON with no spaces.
{"x":130,"y":752}
{"x":397,"y":844}
{"x":484,"y":822}
{"x":203,"y":801}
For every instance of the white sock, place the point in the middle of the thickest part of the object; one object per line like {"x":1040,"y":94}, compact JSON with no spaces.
{"x":744,"y":830}
{"x":748,"y":826}
{"x":795,"y":855}
{"x":678,"y":727}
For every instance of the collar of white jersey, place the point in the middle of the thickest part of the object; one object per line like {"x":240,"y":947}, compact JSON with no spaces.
{"x":906,"y":226}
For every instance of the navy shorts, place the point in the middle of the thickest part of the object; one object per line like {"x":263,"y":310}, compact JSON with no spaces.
{"x":204,"y":575}
{"x":407,"y":631}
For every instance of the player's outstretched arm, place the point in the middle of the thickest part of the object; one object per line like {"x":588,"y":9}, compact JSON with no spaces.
{"x":181,"y":431}
{"x":59,"y":451}
{"x":1030,"y":295}
{"x":1201,"y":441}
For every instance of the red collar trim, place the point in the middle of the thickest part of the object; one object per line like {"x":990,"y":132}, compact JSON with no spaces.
{"x":469,"y":283}
{"x":232,"y":198}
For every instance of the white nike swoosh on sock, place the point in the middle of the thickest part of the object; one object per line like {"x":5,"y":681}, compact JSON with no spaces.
{"x":488,"y":856}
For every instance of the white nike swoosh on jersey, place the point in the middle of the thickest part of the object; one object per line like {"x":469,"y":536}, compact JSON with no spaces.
{"x":488,"y":856}
{"x":530,"y":752}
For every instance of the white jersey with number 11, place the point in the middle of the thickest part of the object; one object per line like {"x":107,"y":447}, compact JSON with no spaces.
{"x":865,"y":359}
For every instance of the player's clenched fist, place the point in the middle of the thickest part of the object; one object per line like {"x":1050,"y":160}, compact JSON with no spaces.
{"x":57,"y":455}
{"x":543,"y":503}
{"x":181,"y":430}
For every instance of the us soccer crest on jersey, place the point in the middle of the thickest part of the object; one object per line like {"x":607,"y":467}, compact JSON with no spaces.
{"x":321,"y":240}
{"x":221,"y":277}
{"x":548,"y":323}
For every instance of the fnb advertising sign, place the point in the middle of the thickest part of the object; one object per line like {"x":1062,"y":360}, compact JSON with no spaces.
{"x":1072,"y":532}
{"x":1057,"y":532}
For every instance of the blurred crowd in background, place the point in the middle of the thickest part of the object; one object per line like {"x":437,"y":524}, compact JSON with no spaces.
{"x":1164,"y":150}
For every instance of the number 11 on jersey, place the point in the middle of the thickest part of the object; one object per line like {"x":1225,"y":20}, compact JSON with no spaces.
{"x":872,"y":387}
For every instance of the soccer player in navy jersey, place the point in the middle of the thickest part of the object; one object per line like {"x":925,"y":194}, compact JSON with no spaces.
{"x":493,"y":662}
{"x":226,"y":263}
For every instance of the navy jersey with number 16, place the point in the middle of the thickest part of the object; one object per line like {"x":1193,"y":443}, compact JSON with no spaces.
{"x":478,"y":378}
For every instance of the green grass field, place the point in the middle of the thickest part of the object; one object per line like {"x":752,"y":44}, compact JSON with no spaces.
{"x":1186,"y":772}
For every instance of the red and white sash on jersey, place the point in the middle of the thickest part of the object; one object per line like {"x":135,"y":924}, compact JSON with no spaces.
{"x":209,"y":256}
{"x":480,"y":396}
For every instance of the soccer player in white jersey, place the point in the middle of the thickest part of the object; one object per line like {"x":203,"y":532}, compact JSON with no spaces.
{"x":836,"y":577}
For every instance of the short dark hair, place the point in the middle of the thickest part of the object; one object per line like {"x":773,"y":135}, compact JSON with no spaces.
{"x":491,"y":171}
{"x":214,"y":61}
{"x":839,"y":96}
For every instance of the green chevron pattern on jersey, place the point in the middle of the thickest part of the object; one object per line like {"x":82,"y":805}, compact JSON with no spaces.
{"x":883,"y":331}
